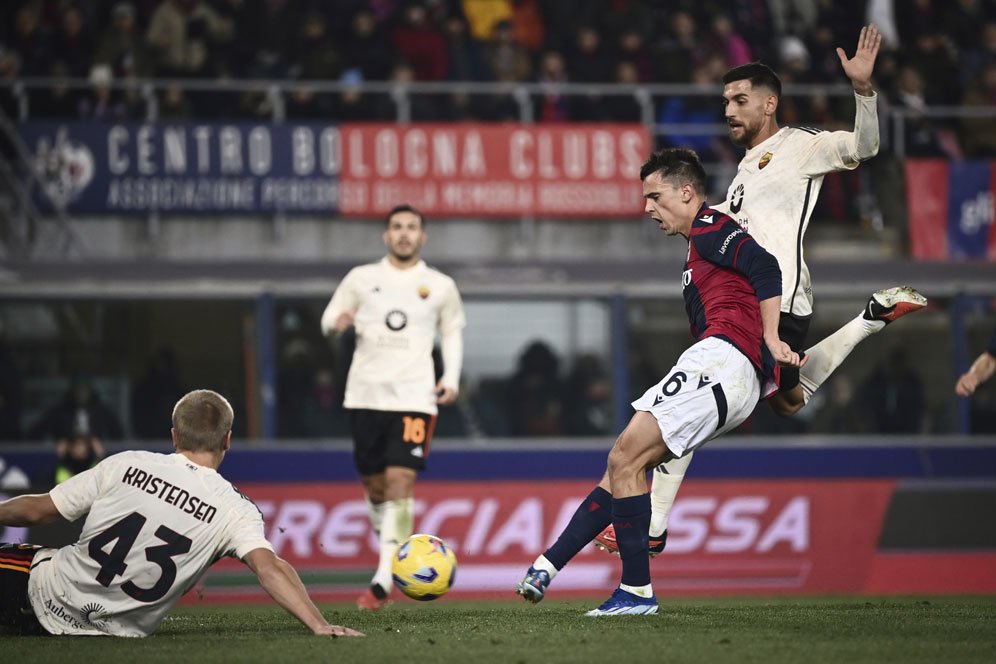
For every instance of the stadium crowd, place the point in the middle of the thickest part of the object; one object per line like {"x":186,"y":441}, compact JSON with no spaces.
{"x":937,"y":53}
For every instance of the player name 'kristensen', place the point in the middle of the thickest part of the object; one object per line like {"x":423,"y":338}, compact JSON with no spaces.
{"x":170,"y":494}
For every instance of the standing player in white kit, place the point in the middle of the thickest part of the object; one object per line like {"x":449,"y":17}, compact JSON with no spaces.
{"x":396,"y":307}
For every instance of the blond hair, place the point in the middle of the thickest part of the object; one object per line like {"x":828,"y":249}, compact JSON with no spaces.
{"x":202,"y":420}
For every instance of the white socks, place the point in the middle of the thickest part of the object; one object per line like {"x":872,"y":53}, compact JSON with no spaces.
{"x":646,"y":591}
{"x":542,"y":563}
{"x":663,"y":489}
{"x":827,"y":355}
{"x":396,"y":527}
{"x":376,"y":513}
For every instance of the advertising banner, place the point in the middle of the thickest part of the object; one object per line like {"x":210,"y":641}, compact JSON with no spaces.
{"x":723,"y":536}
{"x":950,"y":207}
{"x":495,"y":170}
{"x":187,"y":168}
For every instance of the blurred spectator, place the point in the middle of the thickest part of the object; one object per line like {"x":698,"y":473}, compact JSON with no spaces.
{"x":552,"y":104}
{"x":367,"y":49}
{"x":589,"y":62}
{"x":680,"y":49}
{"x":181,"y":34}
{"x":588,"y":398}
{"x":465,"y":57}
{"x":269,"y":34}
{"x":618,"y":17}
{"x":961,"y":21}
{"x":934,"y":60}
{"x":351,"y":103}
{"x":921,"y":137}
{"x":154,"y":396}
{"x":979,"y":134}
{"x":973,"y":61}
{"x":174,"y":105}
{"x":59,"y":101}
{"x":418,"y":42}
{"x":793,"y":17}
{"x":102,"y":102}
{"x":73,"y":45}
{"x":622,"y":108}
{"x":10,"y":69}
{"x":484,"y":15}
{"x":121,"y":47}
{"x":80,"y":410}
{"x":701,"y":109}
{"x":632,"y":48}
{"x":535,"y":393}
{"x":31,"y":43}
{"x":509,"y":60}
{"x":729,"y":43}
{"x":893,"y":396}
{"x":79,"y":452}
{"x":527,"y":21}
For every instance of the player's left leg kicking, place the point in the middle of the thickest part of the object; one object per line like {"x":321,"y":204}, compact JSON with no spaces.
{"x":798,"y":387}
{"x":712,"y":389}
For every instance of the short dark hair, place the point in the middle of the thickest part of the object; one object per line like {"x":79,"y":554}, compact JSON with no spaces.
{"x":202,"y":420}
{"x":679,"y":165}
{"x":758,"y":73}
{"x":405,"y":207}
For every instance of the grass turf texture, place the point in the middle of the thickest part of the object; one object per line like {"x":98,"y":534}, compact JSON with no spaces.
{"x":768,"y":630}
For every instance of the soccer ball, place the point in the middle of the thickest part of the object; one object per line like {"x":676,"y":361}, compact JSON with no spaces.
{"x":424,"y":567}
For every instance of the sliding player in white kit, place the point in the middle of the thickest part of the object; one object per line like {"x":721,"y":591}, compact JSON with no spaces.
{"x":772,"y":197}
{"x":155,"y":523}
{"x":396,"y":306}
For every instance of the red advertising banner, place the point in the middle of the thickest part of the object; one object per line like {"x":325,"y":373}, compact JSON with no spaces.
{"x":495,"y":170}
{"x":927,"y":206}
{"x":723,"y":537}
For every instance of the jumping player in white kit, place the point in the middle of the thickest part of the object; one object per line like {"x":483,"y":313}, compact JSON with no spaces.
{"x":155,"y":523}
{"x":772,"y":197}
{"x":396,"y":307}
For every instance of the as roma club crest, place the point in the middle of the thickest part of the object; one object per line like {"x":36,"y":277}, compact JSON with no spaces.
{"x":423,"y":292}
{"x":765,"y":158}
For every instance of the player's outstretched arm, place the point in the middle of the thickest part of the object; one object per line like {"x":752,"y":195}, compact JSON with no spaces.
{"x":981,"y":370}
{"x":859,"y":68}
{"x":283,"y":584}
{"x":28,"y":510}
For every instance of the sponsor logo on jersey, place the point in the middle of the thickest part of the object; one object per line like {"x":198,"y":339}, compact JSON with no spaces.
{"x":93,"y":614}
{"x":737,"y":199}
{"x":729,"y":238}
{"x":396,"y":320}
{"x":765,"y":160}
{"x":423,"y":292}
{"x":706,"y":219}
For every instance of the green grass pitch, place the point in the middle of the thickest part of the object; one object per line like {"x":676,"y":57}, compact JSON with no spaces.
{"x":770,"y":630}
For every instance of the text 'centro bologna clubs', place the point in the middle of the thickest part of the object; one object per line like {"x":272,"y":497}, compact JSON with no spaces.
{"x":355,"y":169}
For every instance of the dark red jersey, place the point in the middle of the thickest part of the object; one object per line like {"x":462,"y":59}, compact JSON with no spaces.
{"x":726,"y":274}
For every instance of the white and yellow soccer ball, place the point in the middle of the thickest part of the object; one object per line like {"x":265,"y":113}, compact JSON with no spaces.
{"x":424,"y":567}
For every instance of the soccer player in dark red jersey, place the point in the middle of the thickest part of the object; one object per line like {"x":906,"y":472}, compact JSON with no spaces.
{"x":732,"y":289}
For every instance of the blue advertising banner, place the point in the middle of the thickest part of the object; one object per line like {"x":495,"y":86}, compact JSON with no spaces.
{"x":237,"y":167}
{"x":970,"y":209}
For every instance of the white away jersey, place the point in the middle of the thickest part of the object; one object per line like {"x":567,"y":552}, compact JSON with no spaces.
{"x":155,"y":523}
{"x":777,"y":183}
{"x":397,"y":313}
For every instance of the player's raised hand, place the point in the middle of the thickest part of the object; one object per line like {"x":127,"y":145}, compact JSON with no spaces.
{"x":337,"y":630}
{"x":859,"y":68}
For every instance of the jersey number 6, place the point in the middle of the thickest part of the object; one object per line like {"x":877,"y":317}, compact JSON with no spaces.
{"x":113,"y":564}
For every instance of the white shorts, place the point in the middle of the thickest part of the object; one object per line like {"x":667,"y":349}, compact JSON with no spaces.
{"x":711,"y":389}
